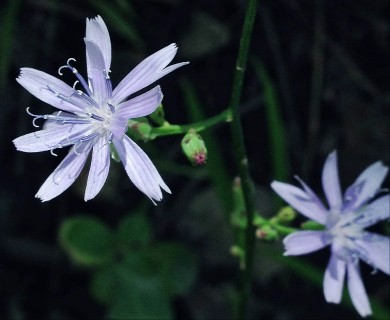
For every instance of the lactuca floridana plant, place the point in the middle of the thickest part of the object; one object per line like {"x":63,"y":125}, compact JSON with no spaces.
{"x":344,"y":220}
{"x":92,"y":119}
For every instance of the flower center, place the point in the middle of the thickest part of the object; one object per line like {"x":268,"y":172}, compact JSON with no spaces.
{"x":344,"y":231}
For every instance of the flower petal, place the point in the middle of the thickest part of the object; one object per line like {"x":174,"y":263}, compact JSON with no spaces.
{"x":374,"y":249}
{"x":330,"y":181}
{"x":306,"y":203}
{"x":334,"y":279}
{"x":97,"y":32}
{"x":97,"y":72}
{"x":365,"y":186}
{"x":357,"y":291}
{"x":374,"y":212}
{"x":49,"y":89}
{"x":145,"y":73}
{"x":64,"y":175}
{"x":140,"y":169}
{"x":303,"y":242}
{"x":118,"y":127}
{"x":141,"y":105}
{"x":55,"y":136}
{"x":100,"y":165}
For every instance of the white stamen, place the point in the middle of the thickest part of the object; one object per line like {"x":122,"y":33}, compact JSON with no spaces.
{"x":66,"y":66}
{"x":34,"y":124}
{"x":60,"y":68}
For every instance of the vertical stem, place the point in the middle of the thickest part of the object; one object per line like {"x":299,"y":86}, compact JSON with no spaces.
{"x":240,"y":152}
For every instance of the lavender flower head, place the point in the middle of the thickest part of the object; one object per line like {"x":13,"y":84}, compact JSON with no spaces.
{"x":92,"y":119}
{"x":344,"y":222}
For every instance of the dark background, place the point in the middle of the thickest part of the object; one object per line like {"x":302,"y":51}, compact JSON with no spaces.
{"x":339,"y":47}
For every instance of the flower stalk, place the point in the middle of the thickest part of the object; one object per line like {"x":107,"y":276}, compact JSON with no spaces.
{"x":241,"y":157}
{"x":174,"y":129}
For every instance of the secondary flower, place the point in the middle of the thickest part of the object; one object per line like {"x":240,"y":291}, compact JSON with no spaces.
{"x":92,"y":119}
{"x":344,"y":221}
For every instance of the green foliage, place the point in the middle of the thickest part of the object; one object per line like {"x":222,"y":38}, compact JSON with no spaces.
{"x":102,"y":285}
{"x":178,"y":267}
{"x":276,"y":133}
{"x":132,"y":291}
{"x":133,"y":232}
{"x":87,"y":241}
{"x":132,"y":275}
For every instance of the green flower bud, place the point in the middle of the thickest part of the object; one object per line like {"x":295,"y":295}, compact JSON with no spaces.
{"x":267,"y":233}
{"x":286,"y":214}
{"x":237,"y":251}
{"x":194,"y":148}
{"x":158,"y":116}
{"x":140,"y":129}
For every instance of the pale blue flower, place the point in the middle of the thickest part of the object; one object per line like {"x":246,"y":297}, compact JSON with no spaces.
{"x":90,"y":120}
{"x":344,"y":221}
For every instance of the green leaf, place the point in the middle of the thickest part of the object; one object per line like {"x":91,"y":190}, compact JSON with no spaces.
{"x":178,"y":267}
{"x":139,"y":294}
{"x":132,"y":291}
{"x":103,"y":285}
{"x":173,"y":263}
{"x":134,"y":231}
{"x":142,"y":284}
{"x":87,"y":241}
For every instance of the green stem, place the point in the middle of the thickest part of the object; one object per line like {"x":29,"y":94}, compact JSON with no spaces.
{"x":240,"y":152}
{"x":172,"y":129}
{"x":284,"y":230}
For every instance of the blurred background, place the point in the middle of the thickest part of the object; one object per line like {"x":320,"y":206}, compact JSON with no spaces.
{"x":317,"y":80}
